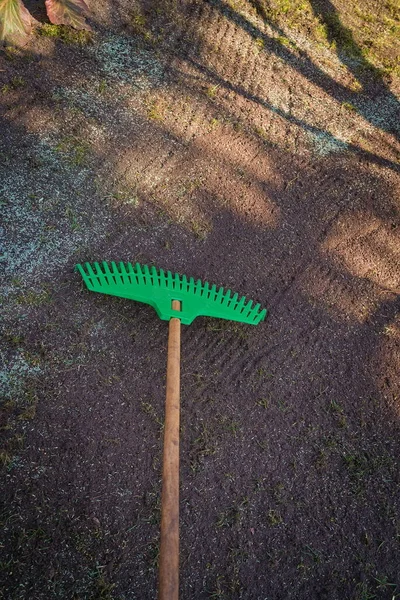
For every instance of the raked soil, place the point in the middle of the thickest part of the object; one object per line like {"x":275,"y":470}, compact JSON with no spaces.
{"x":204,"y":139}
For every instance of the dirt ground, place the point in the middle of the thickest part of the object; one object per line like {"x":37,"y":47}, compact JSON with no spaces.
{"x":253,"y":147}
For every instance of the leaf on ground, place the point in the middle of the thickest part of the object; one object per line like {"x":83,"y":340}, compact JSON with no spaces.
{"x":15,"y":20}
{"x":68,"y":12}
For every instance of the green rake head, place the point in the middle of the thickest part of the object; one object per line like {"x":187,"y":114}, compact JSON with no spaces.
{"x":159,"y":289}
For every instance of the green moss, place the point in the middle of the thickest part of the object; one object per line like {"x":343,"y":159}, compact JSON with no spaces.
{"x":66,"y":34}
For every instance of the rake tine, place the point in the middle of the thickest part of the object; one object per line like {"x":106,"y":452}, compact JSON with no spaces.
{"x":163,"y":280}
{"x":241,"y":304}
{"x":177,"y":282}
{"x":220,"y":294}
{"x":131,"y":273}
{"x":155,"y":278}
{"x":109,"y":276}
{"x":254,"y":311}
{"x":170,"y":280}
{"x":146,"y":274}
{"x":123,"y":272}
{"x":247,"y":308}
{"x":227,"y":298}
{"x":90,"y":272}
{"x":116,"y":273}
{"x":99,"y":274}
{"x":233,"y":301}
{"x":199,"y":287}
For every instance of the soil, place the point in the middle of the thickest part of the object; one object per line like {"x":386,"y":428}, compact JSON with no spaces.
{"x":205,"y":139}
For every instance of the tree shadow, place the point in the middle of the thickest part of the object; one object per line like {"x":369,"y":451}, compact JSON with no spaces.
{"x":295,"y":399}
{"x":312,"y":129}
{"x":384,"y":118}
{"x":347,"y":49}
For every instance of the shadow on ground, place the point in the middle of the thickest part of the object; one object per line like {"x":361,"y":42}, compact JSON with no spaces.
{"x":120,"y":150}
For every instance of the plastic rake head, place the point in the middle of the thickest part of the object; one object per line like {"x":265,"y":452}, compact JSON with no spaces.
{"x":159,"y":288}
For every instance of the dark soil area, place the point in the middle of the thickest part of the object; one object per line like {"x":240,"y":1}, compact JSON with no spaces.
{"x":255,"y":149}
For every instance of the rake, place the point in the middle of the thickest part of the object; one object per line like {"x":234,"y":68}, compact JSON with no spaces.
{"x":178,"y":300}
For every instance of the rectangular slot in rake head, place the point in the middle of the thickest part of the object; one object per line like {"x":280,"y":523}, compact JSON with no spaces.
{"x":159,"y":289}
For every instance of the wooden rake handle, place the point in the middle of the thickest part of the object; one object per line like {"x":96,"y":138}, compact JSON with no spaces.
{"x":169,"y":544}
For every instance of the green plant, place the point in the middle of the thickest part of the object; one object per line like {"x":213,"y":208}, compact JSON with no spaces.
{"x":383,"y":583}
{"x":65,"y":34}
{"x":156,"y":110}
{"x":74,"y":150}
{"x":348,"y":106}
{"x":139,"y":25}
{"x":263,"y":402}
{"x":212,"y":91}
{"x":274,"y":518}
{"x":16,"y":20}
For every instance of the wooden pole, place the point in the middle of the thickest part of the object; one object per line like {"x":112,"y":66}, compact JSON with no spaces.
{"x":169,"y":544}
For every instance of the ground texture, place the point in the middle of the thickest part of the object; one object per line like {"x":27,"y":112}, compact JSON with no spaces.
{"x":254,"y":146}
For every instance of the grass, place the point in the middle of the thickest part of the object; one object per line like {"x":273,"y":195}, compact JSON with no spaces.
{"x":74,"y":150}
{"x":152,"y":555}
{"x":274,"y":518}
{"x":140,"y":26}
{"x":200,"y":229}
{"x":214,"y":124}
{"x":218,"y":590}
{"x":5,"y":459}
{"x":230,"y":425}
{"x":337,"y":411}
{"x":383,"y":583}
{"x":126,"y":196}
{"x":156,"y":110}
{"x":363,"y":592}
{"x":28,"y":414}
{"x":285,"y":41}
{"x":348,"y":106}
{"x":204,"y":445}
{"x":212,"y":91}
{"x":11,"y":448}
{"x":15,"y":84}
{"x":34,"y":298}
{"x":263,"y":402}
{"x":260,"y":44}
{"x":232,"y":515}
{"x":355,"y":34}
{"x":102,"y":589}
{"x":149,"y":410}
